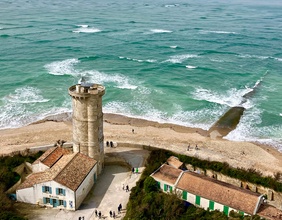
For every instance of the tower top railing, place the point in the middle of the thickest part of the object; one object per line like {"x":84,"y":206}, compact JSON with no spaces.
{"x":86,"y":90}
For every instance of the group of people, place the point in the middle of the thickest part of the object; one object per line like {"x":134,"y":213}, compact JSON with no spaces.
{"x":98,"y":214}
{"x":134,"y":170}
{"x":126,"y":188}
{"x":109,"y":144}
{"x":196,"y":147}
{"x":112,"y":213}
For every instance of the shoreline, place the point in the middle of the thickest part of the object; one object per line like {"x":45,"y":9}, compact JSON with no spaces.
{"x":118,"y":128}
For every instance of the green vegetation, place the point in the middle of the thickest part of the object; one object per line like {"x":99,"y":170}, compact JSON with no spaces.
{"x":148,"y":202}
{"x":7,"y":179}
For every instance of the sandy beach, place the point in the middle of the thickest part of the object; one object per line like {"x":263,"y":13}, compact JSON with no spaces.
{"x":118,"y":128}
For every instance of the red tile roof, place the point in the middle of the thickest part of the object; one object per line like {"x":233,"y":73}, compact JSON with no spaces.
{"x":52,"y":155}
{"x":174,"y":161}
{"x":76,"y":171}
{"x":167,"y":173}
{"x":70,"y":171}
{"x":220,"y":192}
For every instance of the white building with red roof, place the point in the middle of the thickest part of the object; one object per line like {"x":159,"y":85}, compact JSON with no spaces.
{"x":60,"y":179}
{"x":206,"y":192}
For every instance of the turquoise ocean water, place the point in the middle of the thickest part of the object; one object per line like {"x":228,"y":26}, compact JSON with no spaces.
{"x":183,"y":62}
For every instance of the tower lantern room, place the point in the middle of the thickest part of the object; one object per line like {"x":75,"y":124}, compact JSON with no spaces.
{"x":87,"y":119}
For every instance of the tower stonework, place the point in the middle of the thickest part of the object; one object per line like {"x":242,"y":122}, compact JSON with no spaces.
{"x":87,"y":119}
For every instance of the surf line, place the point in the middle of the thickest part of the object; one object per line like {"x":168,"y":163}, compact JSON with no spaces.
{"x":230,"y":119}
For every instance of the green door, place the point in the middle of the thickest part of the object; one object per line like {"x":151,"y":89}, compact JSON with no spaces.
{"x":184,"y":195}
{"x":226,"y":210}
{"x":211,"y":205}
{"x":198,"y":200}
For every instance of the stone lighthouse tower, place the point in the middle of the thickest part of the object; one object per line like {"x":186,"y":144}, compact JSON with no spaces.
{"x":87,"y":120}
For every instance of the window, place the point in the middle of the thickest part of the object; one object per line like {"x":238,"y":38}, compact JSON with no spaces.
{"x":61,"y":202}
{"x":167,"y":188}
{"x":60,"y":191}
{"x":64,"y":203}
{"x":46,"y":200}
{"x":47,"y":189}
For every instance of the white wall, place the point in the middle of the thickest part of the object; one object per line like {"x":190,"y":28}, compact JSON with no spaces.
{"x":218,"y":206}
{"x":85,"y":187}
{"x":191,"y":198}
{"x":26,"y":195}
{"x":205,"y":203}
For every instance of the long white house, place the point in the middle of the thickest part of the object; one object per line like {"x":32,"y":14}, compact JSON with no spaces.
{"x":206,"y":192}
{"x":60,"y":179}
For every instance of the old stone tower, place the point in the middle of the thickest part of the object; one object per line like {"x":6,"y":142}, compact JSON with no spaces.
{"x":87,"y":120}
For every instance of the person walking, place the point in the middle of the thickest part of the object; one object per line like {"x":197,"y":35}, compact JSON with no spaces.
{"x":127,"y":188}
{"x":114,"y":214}
{"x":111,"y":214}
{"x":119,"y":208}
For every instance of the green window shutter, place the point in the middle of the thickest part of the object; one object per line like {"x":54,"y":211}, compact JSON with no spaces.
{"x":165,"y":187}
{"x":50,"y":190}
{"x":51,"y":201}
{"x":44,"y":200}
{"x":211,"y":205}
{"x":43,"y":188}
{"x":184,"y":195}
{"x":198,"y":200}
{"x":226,"y":210}
{"x":64,"y":192}
{"x":65,"y":203}
{"x":57,"y":191}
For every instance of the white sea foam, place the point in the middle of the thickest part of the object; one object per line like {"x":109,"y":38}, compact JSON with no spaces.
{"x":180,"y":58}
{"x":26,"y":95}
{"x":232,"y":97}
{"x":119,"y":80}
{"x":278,"y":59}
{"x":65,"y":67}
{"x":173,"y":46}
{"x":216,"y":60}
{"x":217,"y":32}
{"x":280,"y":114}
{"x":248,"y":130}
{"x":86,"y":29}
{"x":191,"y":67}
{"x":171,"y":5}
{"x":160,"y":31}
{"x":83,"y":25}
{"x":199,"y":118}
{"x":138,"y":60}
{"x":252,"y":56}
{"x":20,"y":108}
